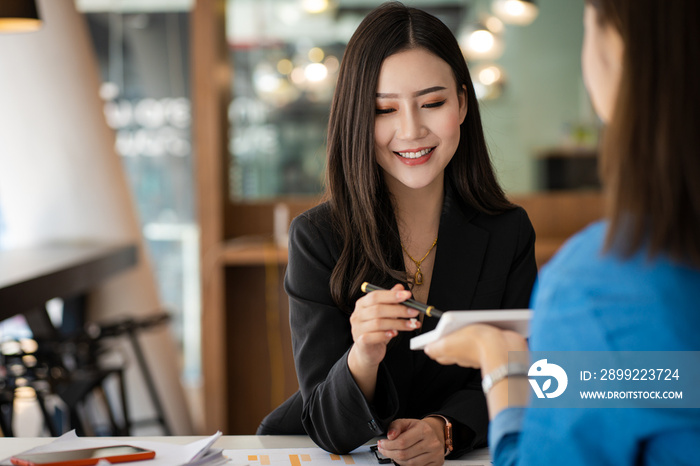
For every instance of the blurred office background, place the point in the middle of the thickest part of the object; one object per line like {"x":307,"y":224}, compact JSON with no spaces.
{"x":219,"y":112}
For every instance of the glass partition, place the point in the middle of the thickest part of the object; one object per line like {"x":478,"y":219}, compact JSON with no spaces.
{"x":143,"y":53}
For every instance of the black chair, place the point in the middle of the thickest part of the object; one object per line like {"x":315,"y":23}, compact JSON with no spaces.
{"x":131,"y":327}
{"x":70,"y":367}
{"x":7,"y":399}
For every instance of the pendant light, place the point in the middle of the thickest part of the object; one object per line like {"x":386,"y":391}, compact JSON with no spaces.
{"x":520,"y":12}
{"x":478,"y":41}
{"x":19,"y":16}
{"x":489,"y":81}
{"x":315,"y":6}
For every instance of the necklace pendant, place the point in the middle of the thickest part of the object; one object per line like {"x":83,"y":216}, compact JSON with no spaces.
{"x":418,"y":277}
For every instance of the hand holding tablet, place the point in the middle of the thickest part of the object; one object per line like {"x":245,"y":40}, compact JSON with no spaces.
{"x":517,"y":320}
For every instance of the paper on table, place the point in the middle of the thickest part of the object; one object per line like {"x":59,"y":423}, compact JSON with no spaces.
{"x":167,"y":454}
{"x":298,"y":456}
{"x":319,"y":457}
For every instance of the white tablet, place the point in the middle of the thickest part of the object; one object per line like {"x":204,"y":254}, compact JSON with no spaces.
{"x":517,"y":320}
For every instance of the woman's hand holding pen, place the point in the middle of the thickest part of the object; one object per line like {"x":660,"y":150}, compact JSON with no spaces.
{"x":415,"y":442}
{"x":377,"y":318}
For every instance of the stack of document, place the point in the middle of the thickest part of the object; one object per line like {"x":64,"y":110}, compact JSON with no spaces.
{"x":197,"y":453}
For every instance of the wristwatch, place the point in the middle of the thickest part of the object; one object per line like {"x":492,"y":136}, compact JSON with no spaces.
{"x":449,"y":445}
{"x":512,"y":369}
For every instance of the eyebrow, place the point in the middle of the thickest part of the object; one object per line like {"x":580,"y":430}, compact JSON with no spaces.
{"x":381,"y":95}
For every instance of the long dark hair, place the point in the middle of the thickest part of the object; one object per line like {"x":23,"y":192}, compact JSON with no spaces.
{"x":361,"y":205}
{"x":649,"y":157}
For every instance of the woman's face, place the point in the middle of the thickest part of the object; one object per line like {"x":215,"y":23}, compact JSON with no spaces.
{"x":419,"y":111}
{"x":601,"y":60}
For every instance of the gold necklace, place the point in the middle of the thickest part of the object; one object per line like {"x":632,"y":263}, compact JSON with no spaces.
{"x":418,"y":276}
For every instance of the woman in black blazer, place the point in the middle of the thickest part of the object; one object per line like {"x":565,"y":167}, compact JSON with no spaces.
{"x":412,"y":206}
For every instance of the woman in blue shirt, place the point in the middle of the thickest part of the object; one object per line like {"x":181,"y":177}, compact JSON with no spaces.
{"x":630,"y":283}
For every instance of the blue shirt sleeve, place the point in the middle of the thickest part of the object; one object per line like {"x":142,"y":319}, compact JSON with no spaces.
{"x":504,"y":435}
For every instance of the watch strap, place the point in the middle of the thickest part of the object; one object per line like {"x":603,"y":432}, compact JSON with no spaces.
{"x":449,"y":442}
{"x":512,"y":369}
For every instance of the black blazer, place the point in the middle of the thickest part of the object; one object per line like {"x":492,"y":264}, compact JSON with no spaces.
{"x":482,"y":262}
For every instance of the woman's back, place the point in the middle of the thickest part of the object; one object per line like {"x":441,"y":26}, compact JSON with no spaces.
{"x":601,"y":302}
{"x":590,"y":301}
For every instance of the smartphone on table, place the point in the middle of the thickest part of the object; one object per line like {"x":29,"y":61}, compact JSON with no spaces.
{"x":84,"y":457}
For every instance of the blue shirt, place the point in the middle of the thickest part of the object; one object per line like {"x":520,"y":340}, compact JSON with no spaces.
{"x":587,"y":300}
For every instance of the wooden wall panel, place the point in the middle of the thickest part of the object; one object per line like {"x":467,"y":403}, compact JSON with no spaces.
{"x":556,"y":215}
{"x":261,"y":370}
{"x":256,"y":217}
{"x":210,"y":96}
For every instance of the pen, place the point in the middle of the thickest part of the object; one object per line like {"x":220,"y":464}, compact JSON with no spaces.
{"x":430,"y":311}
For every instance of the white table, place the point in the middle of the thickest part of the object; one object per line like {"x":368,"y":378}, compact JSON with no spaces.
{"x":12,"y":446}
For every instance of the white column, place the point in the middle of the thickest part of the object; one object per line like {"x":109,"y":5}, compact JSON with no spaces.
{"x":61,"y":179}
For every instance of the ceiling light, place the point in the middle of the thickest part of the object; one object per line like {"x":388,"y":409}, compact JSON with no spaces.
{"x":285,"y":66}
{"x":316,"y":54}
{"x":315,"y":72}
{"x":478,"y":42}
{"x":494,"y":24}
{"x":490,"y":75}
{"x":315,"y":6}
{"x":520,"y":12}
{"x":489,"y":81}
{"x":19,"y":16}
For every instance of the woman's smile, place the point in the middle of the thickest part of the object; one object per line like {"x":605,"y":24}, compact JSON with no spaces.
{"x":415,"y":157}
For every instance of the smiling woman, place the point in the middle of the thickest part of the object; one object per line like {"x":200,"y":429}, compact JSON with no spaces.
{"x":412,"y":206}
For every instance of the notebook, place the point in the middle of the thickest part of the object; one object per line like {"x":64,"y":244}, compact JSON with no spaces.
{"x":517,"y":320}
